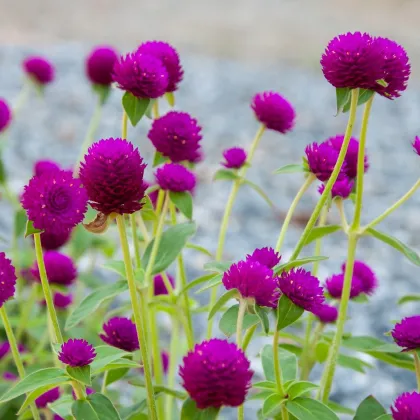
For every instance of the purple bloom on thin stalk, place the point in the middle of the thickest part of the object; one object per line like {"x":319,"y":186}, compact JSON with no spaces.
{"x":121,"y":333}
{"x":235,"y":158}
{"x":366,"y":276}
{"x":170,"y":59}
{"x":416,"y":145}
{"x":159,"y":284}
{"x":61,"y":301}
{"x":406,"y":407}
{"x":176,"y":135}
{"x":216,"y":373}
{"x":5,"y":348}
{"x":60,"y":269}
{"x":48,"y":397}
{"x":100,"y":64}
{"x":76,"y":353}
{"x":253,"y":280}
{"x":40,"y":69}
{"x":407,"y":333}
{"x":7,"y":279}
{"x":334,"y":285}
{"x":112,"y":173}
{"x":45,"y":166}
{"x":266,"y":256}
{"x":5,"y":115}
{"x":326,"y":313}
{"x":175,"y":177}
{"x":341,"y":189}
{"x":274,"y":111}
{"x":51,"y":241}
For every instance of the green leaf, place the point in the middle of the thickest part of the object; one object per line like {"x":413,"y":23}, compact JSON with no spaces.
{"x":408,"y":298}
{"x":3,"y":175}
{"x":364,"y":96}
{"x":340,"y":408}
{"x":62,"y":406}
{"x":170,"y":97}
{"x":369,"y":409}
{"x":297,"y":389}
{"x":289,"y":169}
{"x":265,"y":385}
{"x":118,"y":364}
{"x":191,"y":412}
{"x":134,"y":107}
{"x":102,"y":91}
{"x":384,"y":417}
{"x":96,"y":407}
{"x":127,"y":412}
{"x":309,"y":409}
{"x":382,"y":82}
{"x":30,"y":229}
{"x":259,"y":190}
{"x":262,"y":315}
{"x":321,"y":231}
{"x":170,"y":391}
{"x":212,"y":283}
{"x":230,"y":294}
{"x":229,"y":320}
{"x":297,"y":263}
{"x":80,"y":374}
{"x":116,"y":266}
{"x":159,"y":159}
{"x":217,"y":266}
{"x":149,"y":110}
{"x":115,"y":375}
{"x":183,"y":202}
{"x":395,"y":243}
{"x":197,"y":282}
{"x":104,"y":356}
{"x":287,"y":312}
{"x":343,"y":97}
{"x":92,"y":302}
{"x":272,"y":405}
{"x":20,"y":222}
{"x":288,"y":364}
{"x":225,"y":174}
{"x":353,"y":363}
{"x":35,"y":380}
{"x":199,"y":248}
{"x":148,"y":211}
{"x":171,"y":244}
{"x":321,"y":351}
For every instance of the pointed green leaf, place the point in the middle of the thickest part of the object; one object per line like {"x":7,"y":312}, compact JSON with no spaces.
{"x":364,"y":96}
{"x":229,"y":321}
{"x":183,"y":202}
{"x":353,"y":363}
{"x":369,"y":409}
{"x":297,"y":263}
{"x":262,"y":316}
{"x":148,"y":210}
{"x":96,"y":407}
{"x":212,"y":283}
{"x":20,"y":222}
{"x":149,"y":110}
{"x":230,"y":294}
{"x":297,"y":389}
{"x":80,"y":374}
{"x":265,"y":385}
{"x":321,"y":231}
{"x":288,"y":364}
{"x":338,"y":408}
{"x":287,"y":312}
{"x":115,"y":266}
{"x":199,"y":248}
{"x":190,"y":411}
{"x":170,"y":97}
{"x":290,"y":169}
{"x":272,"y":405}
{"x":197,"y":282}
{"x":104,"y":356}
{"x":309,"y":409}
{"x":408,"y":298}
{"x":115,"y":375}
{"x":225,"y":174}
{"x":159,"y":159}
{"x":217,"y":266}
{"x":343,"y":97}
{"x":62,"y":406}
{"x":134,"y":107}
{"x":30,"y":229}
{"x":259,"y":190}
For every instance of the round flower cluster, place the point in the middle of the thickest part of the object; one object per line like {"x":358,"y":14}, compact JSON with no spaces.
{"x":100,"y":64}
{"x":7,"y":279}
{"x":159,"y":284}
{"x":39,"y":69}
{"x":76,"y":353}
{"x":265,"y":256}
{"x":61,"y":301}
{"x":406,"y":333}
{"x":175,"y":177}
{"x":60,"y":269}
{"x":235,"y":158}
{"x":120,"y":333}
{"x":416,"y":145}
{"x":48,"y":397}
{"x":326,"y":313}
{"x":5,"y":115}
{"x":406,"y":406}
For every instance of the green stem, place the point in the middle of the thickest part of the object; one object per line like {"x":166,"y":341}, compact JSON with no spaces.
{"x":138,"y":314}
{"x":304,"y":361}
{"x":46,"y":289}
{"x":340,"y":206}
{"x":239,"y":325}
{"x":124,"y":125}
{"x":417,"y":367}
{"x":135,"y":239}
{"x":276,"y":362}
{"x":309,"y":180}
{"x":103,"y":387}
{"x":326,"y":194}
{"x":22,"y":97}
{"x":79,"y":390}
{"x":155,"y":109}
{"x":173,"y":363}
{"x":26,"y":311}
{"x":248,"y":336}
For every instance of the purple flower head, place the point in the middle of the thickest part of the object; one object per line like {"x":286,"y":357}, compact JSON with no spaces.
{"x":170,"y":59}
{"x":416,"y":145}
{"x":40,"y":69}
{"x":274,"y":111}
{"x":120,"y":333}
{"x":5,"y":115}
{"x":216,"y":373}
{"x":9,"y":376}
{"x":253,"y":280}
{"x":5,"y":348}
{"x":100,"y":64}
{"x":53,"y":240}
{"x":175,"y":177}
{"x":326,"y":313}
{"x":89,"y":391}
{"x":45,"y":166}
{"x":406,"y":407}
{"x":321,"y":161}
{"x":340,"y":188}
{"x":396,"y":66}
{"x":153,"y":195}
{"x":62,"y":301}
{"x":159,"y":284}
{"x":7,"y":279}
{"x":165,"y":361}
{"x":353,"y":60}
{"x":55,"y":201}
{"x":235,"y":158}
{"x":48,"y":397}
{"x":143,"y":75}
{"x":76,"y":352}
{"x":407,"y":333}
{"x":302,"y":288}
{"x":60,"y":268}
{"x":176,"y":135}
{"x":366,"y":276}
{"x":112,"y":174}
{"x":334,"y":285}
{"x":198,"y":157}
{"x":265,"y":256}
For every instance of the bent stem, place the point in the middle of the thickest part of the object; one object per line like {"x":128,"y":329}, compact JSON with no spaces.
{"x":136,"y":242}
{"x":138,"y":314}
{"x":417,"y":367}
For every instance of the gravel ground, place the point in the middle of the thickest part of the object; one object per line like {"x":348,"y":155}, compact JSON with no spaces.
{"x":218,"y":93}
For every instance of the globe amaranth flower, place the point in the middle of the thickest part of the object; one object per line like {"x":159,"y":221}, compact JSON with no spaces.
{"x":176,"y":135}
{"x":274,"y":111}
{"x":334,"y":285}
{"x":10,"y":376}
{"x":341,"y":189}
{"x":235,"y":158}
{"x":154,"y":194}
{"x":302,"y":288}
{"x":253,"y":280}
{"x":175,"y":177}
{"x":159,"y":284}
{"x":266,"y":256}
{"x":165,"y":361}
{"x":5,"y":115}
{"x":406,"y":406}
{"x":121,"y":333}
{"x":326,"y":313}
{"x":45,"y":166}
{"x":170,"y":59}
{"x":40,"y":69}
{"x":5,"y":348}
{"x":143,"y":75}
{"x":55,"y":201}
{"x":216,"y":373}
{"x":60,"y":268}
{"x":51,"y":241}
{"x":353,"y":60}
{"x":112,"y":173}
{"x":7,"y":279}
{"x":321,"y":161}
{"x":407,"y":333}
{"x":76,"y":353}
{"x":366,"y":276}
{"x":100,"y":64}
{"x":61,"y":301}
{"x":48,"y":397}
{"x":416,"y":145}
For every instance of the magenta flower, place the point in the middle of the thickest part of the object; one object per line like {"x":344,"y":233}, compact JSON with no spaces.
{"x":416,"y":145}
{"x":153,"y":195}
{"x":341,"y":189}
{"x":5,"y":115}
{"x":334,"y":285}
{"x":120,"y":333}
{"x":76,"y":353}
{"x":198,"y":157}
{"x":55,"y":201}
{"x":48,"y":397}
{"x":265,"y":256}
{"x":5,"y":348}
{"x":51,"y":241}
{"x":274,"y":111}
{"x":159,"y":284}
{"x":7,"y":279}
{"x":366,"y":276}
{"x":235,"y":158}
{"x":45,"y":166}
{"x":253,"y":280}
{"x":170,"y":59}
{"x":60,"y":269}
{"x":353,"y":60}
{"x":10,"y":376}
{"x":40,"y":69}
{"x":176,"y":135}
{"x":216,"y":373}
{"x":143,"y":75}
{"x":406,"y":407}
{"x":100,"y":64}
{"x":407,"y":333}
{"x":326,"y":313}
{"x":62,"y":301}
{"x":112,"y":174}
{"x":175,"y":177}
{"x":165,"y":361}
